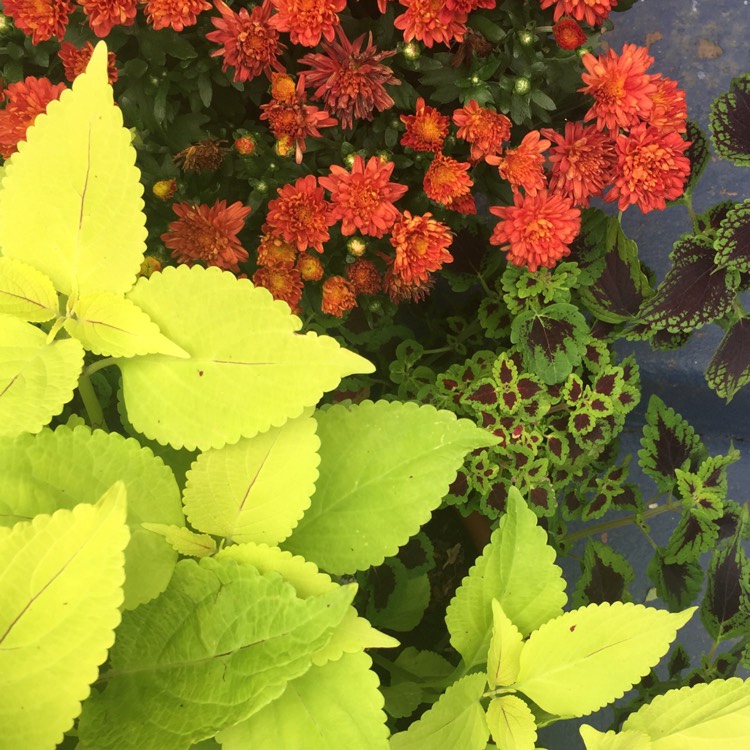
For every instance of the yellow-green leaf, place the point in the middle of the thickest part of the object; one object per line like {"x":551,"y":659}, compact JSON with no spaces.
{"x":628,"y":740}
{"x":587,"y":658}
{"x":504,"y":658}
{"x":183,"y":540}
{"x":25,"y":292}
{"x":511,"y":723}
{"x":713,"y":716}
{"x":77,"y":167}
{"x":37,"y":378}
{"x":110,"y":325}
{"x":61,"y":582}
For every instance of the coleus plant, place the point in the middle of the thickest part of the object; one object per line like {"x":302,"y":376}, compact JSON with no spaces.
{"x":244,"y":639}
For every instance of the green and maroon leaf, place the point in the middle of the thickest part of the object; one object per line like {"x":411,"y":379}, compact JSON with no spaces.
{"x":730,"y":122}
{"x":677,"y":584}
{"x":694,"y":534}
{"x":732,"y":241}
{"x":605,"y":575}
{"x":713,"y":217}
{"x":729,"y":368}
{"x":697,"y":152}
{"x":494,"y":318}
{"x":668,"y":443}
{"x":694,"y":291}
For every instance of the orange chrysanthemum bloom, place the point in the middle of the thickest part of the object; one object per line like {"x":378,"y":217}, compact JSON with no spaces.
{"x":40,"y":19}
{"x":669,"y":110}
{"x":425,"y":130}
{"x":338,"y":296}
{"x":421,"y":245}
{"x":400,"y":289}
{"x":23,"y":102}
{"x":467,"y":6}
{"x":651,"y":168}
{"x":363,"y":198}
{"x":292,"y":121}
{"x":430,"y":21}
{"x":283,"y":88}
{"x":447,"y":180}
{"x":483,"y":128}
{"x":583,"y":161}
{"x":309,"y":266}
{"x":537,"y":230}
{"x":307,"y":20}
{"x":523,"y":166}
{"x":103,"y":15}
{"x":350,"y":80}
{"x":207,"y":234}
{"x":75,"y":60}
{"x":178,"y":14}
{"x":593,"y":12}
{"x":364,"y":276}
{"x":465,"y":205}
{"x":285,"y":284}
{"x":568,"y":34}
{"x":621,"y":88}
{"x":301,"y":215}
{"x":276,"y":252}
{"x":249,"y":43}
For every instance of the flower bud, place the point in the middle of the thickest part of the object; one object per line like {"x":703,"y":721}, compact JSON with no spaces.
{"x":411,"y":51}
{"x":522,"y":86}
{"x":164,"y":189}
{"x":244,"y":145}
{"x":356,"y":246}
{"x":526,"y":38}
{"x":150,"y":265}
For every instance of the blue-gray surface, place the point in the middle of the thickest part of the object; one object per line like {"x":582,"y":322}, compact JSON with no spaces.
{"x":703,"y":44}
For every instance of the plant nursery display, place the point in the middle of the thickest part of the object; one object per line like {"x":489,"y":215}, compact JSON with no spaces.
{"x":308,"y":381}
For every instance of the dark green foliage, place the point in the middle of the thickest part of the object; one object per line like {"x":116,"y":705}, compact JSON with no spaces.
{"x":730,"y":122}
{"x":605,"y":575}
{"x":732,"y":242}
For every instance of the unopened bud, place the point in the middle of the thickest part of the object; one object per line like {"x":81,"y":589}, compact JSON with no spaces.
{"x":244,"y":145}
{"x":526,"y":38}
{"x":164,"y":189}
{"x":522,"y":86}
{"x":356,"y":246}
{"x":411,"y":51}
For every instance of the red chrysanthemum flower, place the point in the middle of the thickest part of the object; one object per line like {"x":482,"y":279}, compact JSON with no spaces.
{"x":23,"y":102}
{"x":593,"y":12}
{"x":291,"y":121}
{"x":75,"y":60}
{"x":621,"y":88}
{"x":669,"y":110}
{"x":430,"y":21}
{"x":301,"y":215}
{"x":651,"y":168}
{"x":421,"y":245}
{"x":447,"y":180}
{"x":467,"y":6}
{"x":364,"y":276}
{"x":338,"y":296}
{"x":249,"y":43}
{"x":178,"y":14}
{"x":568,"y":34}
{"x":425,"y":130}
{"x":309,"y":266}
{"x":40,"y":19}
{"x":464,"y":204}
{"x":285,"y":284}
{"x":276,"y":252}
{"x":537,"y":230}
{"x":483,"y":128}
{"x":523,"y":166}
{"x":103,"y":15}
{"x":583,"y":161}
{"x":363,"y":198}
{"x":307,"y":20}
{"x":207,"y":234}
{"x":400,"y":289}
{"x":350,"y":80}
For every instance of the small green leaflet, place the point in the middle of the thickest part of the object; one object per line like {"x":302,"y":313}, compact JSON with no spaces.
{"x":25,"y":292}
{"x":61,"y":582}
{"x":511,"y":723}
{"x":503,"y":660}
{"x":183,"y":540}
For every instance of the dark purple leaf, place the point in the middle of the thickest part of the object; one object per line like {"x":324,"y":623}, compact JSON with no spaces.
{"x":729,"y":368}
{"x":730,"y":122}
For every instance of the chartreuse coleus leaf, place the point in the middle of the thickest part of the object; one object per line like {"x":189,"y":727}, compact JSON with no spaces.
{"x":331,"y":707}
{"x":257,"y":489}
{"x":511,"y":723}
{"x":79,"y":163}
{"x":43,"y":473}
{"x":183,"y":540}
{"x":585,"y":659}
{"x":25,"y":292}
{"x":628,"y":740}
{"x":384,"y":467}
{"x":61,"y":579}
{"x":456,"y":721}
{"x":37,"y":378}
{"x":518,"y":569}
{"x":218,"y":645}
{"x":709,"y":716}
{"x":249,"y":369}
{"x":352,"y":634}
{"x":503,"y":659}
{"x":110,"y":325}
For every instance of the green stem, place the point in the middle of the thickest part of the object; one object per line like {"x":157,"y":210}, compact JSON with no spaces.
{"x":600,"y":528}
{"x":688,"y":198}
{"x":91,"y":403}
{"x":99,"y":365}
